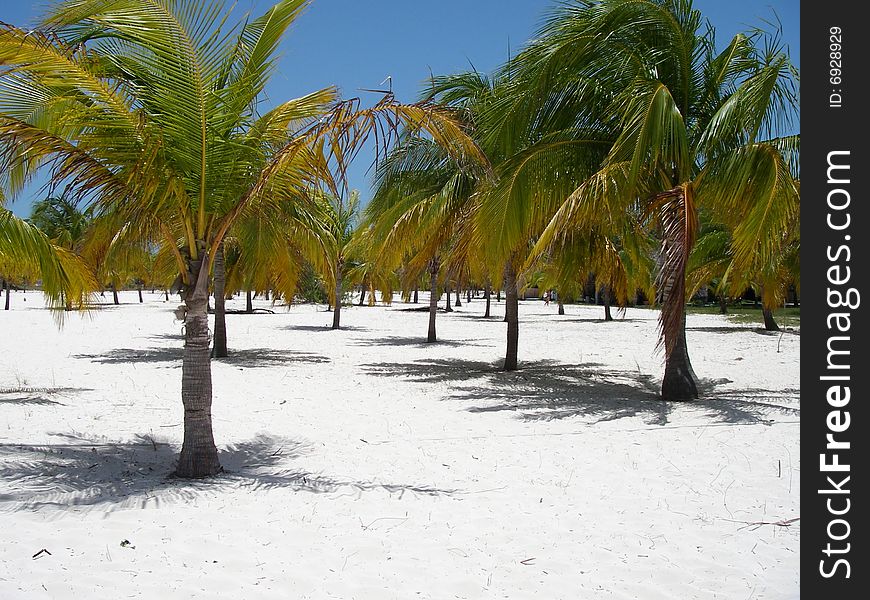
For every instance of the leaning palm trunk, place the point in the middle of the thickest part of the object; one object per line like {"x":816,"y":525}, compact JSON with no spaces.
{"x":220,"y":306}
{"x":115,"y":294}
{"x":362,"y":293}
{"x":769,"y":321}
{"x":433,"y":298}
{"x":511,"y":298}
{"x":679,"y":227}
{"x":199,"y":457}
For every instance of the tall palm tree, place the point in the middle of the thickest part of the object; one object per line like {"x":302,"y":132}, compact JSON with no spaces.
{"x":149,"y":109}
{"x":690,"y":127}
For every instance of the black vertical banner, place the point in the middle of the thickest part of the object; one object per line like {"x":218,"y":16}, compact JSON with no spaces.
{"x":835,"y":227}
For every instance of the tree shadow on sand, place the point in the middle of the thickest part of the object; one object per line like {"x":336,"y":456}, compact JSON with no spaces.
{"x":138,"y":473}
{"x":549,"y":390}
{"x":36,"y":396}
{"x":251,"y":357}
{"x":416,"y":341}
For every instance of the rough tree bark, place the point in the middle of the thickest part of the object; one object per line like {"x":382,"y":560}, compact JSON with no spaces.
{"x":511,"y":297}
{"x":336,"y":313}
{"x":199,"y":456}
{"x":769,"y":321}
{"x":434,"y":267}
{"x":220,"y":306}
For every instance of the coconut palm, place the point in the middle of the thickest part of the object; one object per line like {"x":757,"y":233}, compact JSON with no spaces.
{"x":28,"y":253}
{"x":690,"y":127}
{"x":149,"y":109}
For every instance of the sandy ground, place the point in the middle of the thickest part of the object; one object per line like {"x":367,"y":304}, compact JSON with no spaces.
{"x":365,"y":464}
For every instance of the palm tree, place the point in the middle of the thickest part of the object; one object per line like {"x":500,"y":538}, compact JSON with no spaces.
{"x":689,"y":127}
{"x":328,"y":245}
{"x":149,"y":109}
{"x":27,"y":252}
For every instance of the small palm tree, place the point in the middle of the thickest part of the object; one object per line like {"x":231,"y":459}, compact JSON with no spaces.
{"x":149,"y":109}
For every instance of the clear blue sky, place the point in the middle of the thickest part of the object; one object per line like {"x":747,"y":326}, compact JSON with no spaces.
{"x":356,"y":44}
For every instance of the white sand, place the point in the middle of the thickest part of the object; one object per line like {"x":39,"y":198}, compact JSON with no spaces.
{"x":365,"y":464}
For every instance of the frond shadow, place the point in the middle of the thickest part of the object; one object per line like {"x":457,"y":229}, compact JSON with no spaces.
{"x":38,"y":396}
{"x":420,"y":342}
{"x":135,"y":355}
{"x":267,"y":357}
{"x":549,"y":390}
{"x":324,"y":328}
{"x":137,"y":473}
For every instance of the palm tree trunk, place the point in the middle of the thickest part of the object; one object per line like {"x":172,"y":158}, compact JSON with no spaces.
{"x":433,"y":298}
{"x":336,"y":313}
{"x":458,"y":299}
{"x":115,"y":294}
{"x":447,"y":293}
{"x":607,"y":299}
{"x":139,"y":289}
{"x":498,"y":295}
{"x":416,"y":296}
{"x":488,"y":299}
{"x":199,"y":457}
{"x":249,"y":302}
{"x":561,"y":307}
{"x":6,"y":289}
{"x":723,"y":305}
{"x":362,"y":294}
{"x":511,"y":298}
{"x":769,"y":321}
{"x":220,"y":306}
{"x":679,"y":380}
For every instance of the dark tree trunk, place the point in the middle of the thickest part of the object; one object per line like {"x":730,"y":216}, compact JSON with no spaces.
{"x":498,"y":295}
{"x":488,"y":294}
{"x":220,"y":306}
{"x":433,"y":298}
{"x":115,"y":294}
{"x":249,"y":302}
{"x":679,"y":380}
{"x":447,"y":293}
{"x":362,"y":294}
{"x":468,"y":296}
{"x":511,"y":298}
{"x":608,"y":316}
{"x":199,"y":456}
{"x":336,"y":313}
{"x":139,"y":289}
{"x":166,"y":295}
{"x":769,"y":322}
{"x":458,"y":299}
{"x":723,"y":305}
{"x":561,"y":307}
{"x":6,"y":289}
{"x":416,"y":296}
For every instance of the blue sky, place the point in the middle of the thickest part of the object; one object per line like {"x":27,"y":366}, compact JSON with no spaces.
{"x":357,"y":44}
